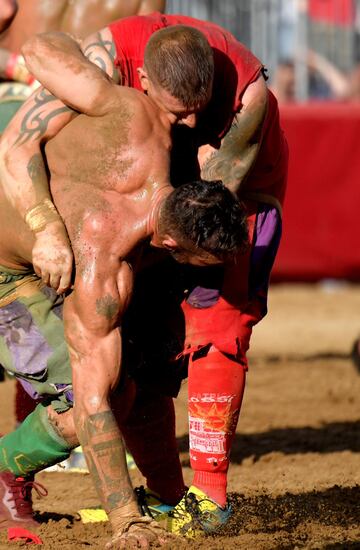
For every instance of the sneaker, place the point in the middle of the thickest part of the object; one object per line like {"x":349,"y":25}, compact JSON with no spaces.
{"x":151,"y":504}
{"x":16,"y":501}
{"x":196,"y":515}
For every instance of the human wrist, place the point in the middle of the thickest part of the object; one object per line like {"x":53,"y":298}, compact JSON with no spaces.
{"x":16,"y":69}
{"x":120,"y":517}
{"x":39,"y":216}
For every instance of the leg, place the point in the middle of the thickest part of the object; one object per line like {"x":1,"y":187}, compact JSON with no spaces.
{"x":222,"y":325}
{"x":24,"y":404}
{"x":33,"y":348}
{"x":151,"y":341}
{"x":149,"y":433}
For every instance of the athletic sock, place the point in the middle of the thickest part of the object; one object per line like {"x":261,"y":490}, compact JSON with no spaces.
{"x":34,"y":445}
{"x":215,"y":386}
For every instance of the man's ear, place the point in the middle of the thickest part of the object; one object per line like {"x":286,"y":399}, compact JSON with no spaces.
{"x":143,"y":77}
{"x":169,"y":243}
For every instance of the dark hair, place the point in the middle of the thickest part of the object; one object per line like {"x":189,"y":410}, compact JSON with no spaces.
{"x":206,"y":215}
{"x":180,"y":59}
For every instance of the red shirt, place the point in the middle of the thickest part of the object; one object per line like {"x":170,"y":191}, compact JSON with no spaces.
{"x":235,"y":68}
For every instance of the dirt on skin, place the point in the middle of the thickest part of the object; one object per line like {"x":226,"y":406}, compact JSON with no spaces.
{"x":294,"y":479}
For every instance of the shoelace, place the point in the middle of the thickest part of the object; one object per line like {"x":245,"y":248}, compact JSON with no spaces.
{"x":21,"y":492}
{"x":199,"y":518}
{"x":142,"y":502}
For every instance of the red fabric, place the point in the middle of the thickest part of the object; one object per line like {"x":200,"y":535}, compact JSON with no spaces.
{"x":332,"y":11}
{"x":235,"y":68}
{"x":228,"y":323}
{"x":238,"y":67}
{"x":215,"y":387}
{"x":320,"y":237}
{"x":19,"y":534}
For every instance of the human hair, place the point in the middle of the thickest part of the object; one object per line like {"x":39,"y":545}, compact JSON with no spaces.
{"x":205,"y":215}
{"x":180,"y":60}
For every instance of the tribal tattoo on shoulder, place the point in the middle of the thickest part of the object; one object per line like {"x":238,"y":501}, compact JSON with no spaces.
{"x":35,"y":121}
{"x":102,"y":53}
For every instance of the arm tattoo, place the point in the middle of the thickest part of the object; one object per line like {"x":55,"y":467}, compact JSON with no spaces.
{"x":107,"y":307}
{"x":35,"y":123}
{"x":36,"y":170}
{"x":104,"y":450}
{"x":91,"y":52}
{"x":238,"y":151}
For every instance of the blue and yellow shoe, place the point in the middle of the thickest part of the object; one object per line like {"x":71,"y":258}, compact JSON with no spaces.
{"x":196,"y":515}
{"x":151,"y":504}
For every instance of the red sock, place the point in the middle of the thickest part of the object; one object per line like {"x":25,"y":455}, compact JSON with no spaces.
{"x":216,"y":386}
{"x":149,"y":433}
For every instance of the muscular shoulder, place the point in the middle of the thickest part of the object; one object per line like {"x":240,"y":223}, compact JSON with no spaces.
{"x":146,"y":121}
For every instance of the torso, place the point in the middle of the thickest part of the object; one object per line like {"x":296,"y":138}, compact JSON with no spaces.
{"x":235,"y":69}
{"x":102,"y":170}
{"x":78,"y":17}
{"x":106,"y":167}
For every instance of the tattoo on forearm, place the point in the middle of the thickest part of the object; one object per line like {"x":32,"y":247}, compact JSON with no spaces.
{"x":238,"y":151}
{"x":104,"y":450}
{"x":107,"y":307}
{"x":35,"y":123}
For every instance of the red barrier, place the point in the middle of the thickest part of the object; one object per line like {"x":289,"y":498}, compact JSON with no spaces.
{"x":321,"y":213}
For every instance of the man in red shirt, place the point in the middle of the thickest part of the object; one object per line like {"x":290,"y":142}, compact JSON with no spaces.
{"x":235,"y":136}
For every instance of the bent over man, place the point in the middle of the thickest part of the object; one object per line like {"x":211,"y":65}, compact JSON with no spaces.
{"x":231,"y":132}
{"x":110,"y":182}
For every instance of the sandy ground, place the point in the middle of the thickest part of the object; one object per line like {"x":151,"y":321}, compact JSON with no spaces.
{"x":295,"y":472}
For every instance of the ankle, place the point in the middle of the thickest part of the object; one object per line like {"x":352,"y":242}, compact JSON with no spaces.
{"x":213,"y":484}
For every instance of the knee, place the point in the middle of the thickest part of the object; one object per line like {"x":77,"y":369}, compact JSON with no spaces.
{"x":63,"y":424}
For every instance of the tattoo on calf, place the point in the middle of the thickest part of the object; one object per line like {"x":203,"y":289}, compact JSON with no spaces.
{"x":104,"y":450}
{"x":35,"y":123}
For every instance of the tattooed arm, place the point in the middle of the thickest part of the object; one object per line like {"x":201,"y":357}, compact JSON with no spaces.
{"x":53,"y":56}
{"x":25,"y":183}
{"x":239,"y":148}
{"x":23,"y":173}
{"x":56,"y":60}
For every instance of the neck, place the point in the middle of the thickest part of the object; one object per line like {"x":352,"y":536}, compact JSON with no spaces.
{"x":157,"y":200}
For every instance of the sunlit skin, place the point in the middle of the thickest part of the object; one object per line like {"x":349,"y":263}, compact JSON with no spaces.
{"x":109,"y":179}
{"x":231,"y":163}
{"x":177,"y":113}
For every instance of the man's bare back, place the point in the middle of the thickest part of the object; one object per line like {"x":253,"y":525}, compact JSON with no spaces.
{"x":78,"y":17}
{"x":110,"y":167}
{"x":100,"y":166}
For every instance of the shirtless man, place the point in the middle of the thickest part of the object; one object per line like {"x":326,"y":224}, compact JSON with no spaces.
{"x":77,"y":17}
{"x":110,"y":182}
{"x":236,"y":137}
{"x":80,"y":18}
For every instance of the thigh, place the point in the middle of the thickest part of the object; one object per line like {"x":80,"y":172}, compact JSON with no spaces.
{"x":32,"y":344}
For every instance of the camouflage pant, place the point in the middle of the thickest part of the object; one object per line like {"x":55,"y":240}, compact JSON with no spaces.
{"x":32,"y":342}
